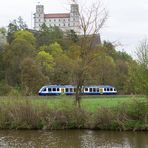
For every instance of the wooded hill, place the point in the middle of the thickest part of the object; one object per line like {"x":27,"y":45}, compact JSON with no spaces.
{"x":31,"y":59}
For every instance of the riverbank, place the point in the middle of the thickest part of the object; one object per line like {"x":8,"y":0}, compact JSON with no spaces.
{"x":60,"y":113}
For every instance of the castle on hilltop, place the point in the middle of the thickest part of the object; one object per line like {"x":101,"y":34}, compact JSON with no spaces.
{"x":65,"y":21}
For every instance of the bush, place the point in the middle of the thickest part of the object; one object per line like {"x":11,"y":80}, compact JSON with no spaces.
{"x":105,"y":118}
{"x":138,"y":109}
{"x":4,"y":88}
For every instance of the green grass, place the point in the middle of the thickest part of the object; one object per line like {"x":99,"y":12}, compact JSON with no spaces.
{"x":90,"y":103}
{"x":94,"y":104}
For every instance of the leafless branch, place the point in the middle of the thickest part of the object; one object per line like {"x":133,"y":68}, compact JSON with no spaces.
{"x":92,"y":19}
{"x":142,"y":53}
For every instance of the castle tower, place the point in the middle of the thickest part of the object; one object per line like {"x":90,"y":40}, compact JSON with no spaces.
{"x":74,"y":17}
{"x":39,"y":17}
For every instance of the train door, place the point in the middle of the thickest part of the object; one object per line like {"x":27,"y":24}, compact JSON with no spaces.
{"x":101,"y":90}
{"x":62,"y":90}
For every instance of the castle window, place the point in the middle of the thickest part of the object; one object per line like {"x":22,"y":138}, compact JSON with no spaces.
{"x":59,"y":24}
{"x":54,"y":20}
{"x":64,"y":24}
{"x":59,"y":20}
{"x":49,"y":20}
{"x":64,"y":20}
{"x":68,"y":24}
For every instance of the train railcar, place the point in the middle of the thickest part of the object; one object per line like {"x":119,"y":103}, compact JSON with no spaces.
{"x":70,"y":90}
{"x":99,"y":90}
{"x":56,"y":90}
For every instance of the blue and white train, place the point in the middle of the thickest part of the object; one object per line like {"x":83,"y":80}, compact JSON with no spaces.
{"x":70,"y":90}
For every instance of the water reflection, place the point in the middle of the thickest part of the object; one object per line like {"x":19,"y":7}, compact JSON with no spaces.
{"x":73,"y":139}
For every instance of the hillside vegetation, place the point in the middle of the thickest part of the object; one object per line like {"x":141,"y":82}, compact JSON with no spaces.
{"x":31,"y":59}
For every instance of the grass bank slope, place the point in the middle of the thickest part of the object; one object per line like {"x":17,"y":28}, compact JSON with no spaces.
{"x":104,"y":113}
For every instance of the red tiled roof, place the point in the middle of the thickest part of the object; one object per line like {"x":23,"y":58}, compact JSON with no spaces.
{"x":57,"y":15}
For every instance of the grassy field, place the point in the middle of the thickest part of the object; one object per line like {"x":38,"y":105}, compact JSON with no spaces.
{"x":90,"y":103}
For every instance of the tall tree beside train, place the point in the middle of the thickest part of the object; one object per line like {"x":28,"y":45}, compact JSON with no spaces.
{"x":138,"y":70}
{"x":92,"y":20}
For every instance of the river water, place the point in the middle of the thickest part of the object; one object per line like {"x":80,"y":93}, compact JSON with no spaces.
{"x":73,"y":139}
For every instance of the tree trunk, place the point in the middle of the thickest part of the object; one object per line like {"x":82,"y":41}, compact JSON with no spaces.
{"x":78,"y":96}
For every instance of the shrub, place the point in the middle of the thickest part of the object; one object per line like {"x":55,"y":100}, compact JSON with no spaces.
{"x":105,"y":118}
{"x":4,"y":88}
{"x":138,"y":109}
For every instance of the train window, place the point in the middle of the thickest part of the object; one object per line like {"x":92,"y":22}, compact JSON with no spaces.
{"x":104,"y":89}
{"x":71,"y":90}
{"x":74,"y":89}
{"x":49,"y":89}
{"x":107,"y":89}
{"x":54,"y":89}
{"x":111,"y":89}
{"x":97,"y":89}
{"x":86,"y":89}
{"x":90,"y":89}
{"x":94,"y":89}
{"x":44,"y":89}
{"x":114,"y":89}
{"x":66,"y":90}
{"x":58,"y":89}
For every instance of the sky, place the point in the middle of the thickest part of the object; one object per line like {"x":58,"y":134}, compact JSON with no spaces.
{"x":126,"y":26}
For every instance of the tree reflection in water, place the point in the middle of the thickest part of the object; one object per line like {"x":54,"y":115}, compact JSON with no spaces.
{"x":73,"y":139}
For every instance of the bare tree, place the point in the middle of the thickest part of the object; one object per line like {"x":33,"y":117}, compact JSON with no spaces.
{"x":142,"y":53}
{"x":92,"y":19}
{"x":142,"y":73}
